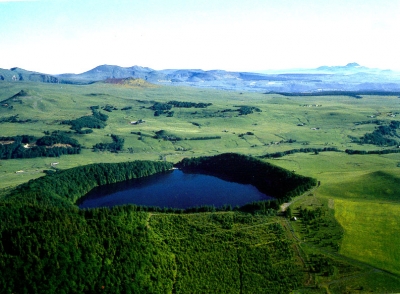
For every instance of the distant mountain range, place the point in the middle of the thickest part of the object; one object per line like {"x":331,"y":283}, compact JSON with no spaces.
{"x":351,"y":77}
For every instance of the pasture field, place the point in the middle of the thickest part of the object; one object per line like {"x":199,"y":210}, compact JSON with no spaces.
{"x":372,"y":232}
{"x":360,"y":193}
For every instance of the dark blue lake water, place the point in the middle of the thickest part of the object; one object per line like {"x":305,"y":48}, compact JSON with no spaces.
{"x":174,"y":189}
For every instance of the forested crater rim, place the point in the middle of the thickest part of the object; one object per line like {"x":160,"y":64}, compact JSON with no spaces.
{"x":64,"y":188}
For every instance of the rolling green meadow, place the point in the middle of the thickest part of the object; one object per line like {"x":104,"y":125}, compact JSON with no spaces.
{"x":354,"y":227}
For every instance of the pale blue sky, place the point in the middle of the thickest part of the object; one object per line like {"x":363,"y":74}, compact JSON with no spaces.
{"x":60,"y":36}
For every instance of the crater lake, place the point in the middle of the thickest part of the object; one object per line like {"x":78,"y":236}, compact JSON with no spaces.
{"x":173,"y":189}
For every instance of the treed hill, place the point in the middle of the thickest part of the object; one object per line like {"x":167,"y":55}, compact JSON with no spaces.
{"x":48,"y":245}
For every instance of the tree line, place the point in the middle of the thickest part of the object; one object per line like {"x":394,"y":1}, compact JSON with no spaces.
{"x":244,"y":110}
{"x":364,"y":152}
{"x":27,"y":146}
{"x":14,"y":119}
{"x":165,"y":108}
{"x":300,"y":150}
{"x":183,"y":104}
{"x":383,"y":135}
{"x":116,"y":145}
{"x":96,"y":121}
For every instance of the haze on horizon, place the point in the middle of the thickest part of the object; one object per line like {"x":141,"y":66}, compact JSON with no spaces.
{"x":70,"y":36}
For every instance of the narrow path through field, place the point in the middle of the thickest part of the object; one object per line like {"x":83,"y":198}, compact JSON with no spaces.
{"x":284,"y":206}
{"x":291,"y":235}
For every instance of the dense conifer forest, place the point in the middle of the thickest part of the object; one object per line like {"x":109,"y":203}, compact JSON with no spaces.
{"x":269,"y":179}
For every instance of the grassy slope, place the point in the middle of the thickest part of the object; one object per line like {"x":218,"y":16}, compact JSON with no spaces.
{"x":372,"y":232}
{"x":366,"y":198}
{"x":364,"y":188}
{"x":368,"y":207}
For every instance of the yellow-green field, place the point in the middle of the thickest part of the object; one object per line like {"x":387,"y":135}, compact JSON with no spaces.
{"x":372,"y":232}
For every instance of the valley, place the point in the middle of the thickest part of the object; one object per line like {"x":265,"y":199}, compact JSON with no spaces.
{"x":346,"y":233}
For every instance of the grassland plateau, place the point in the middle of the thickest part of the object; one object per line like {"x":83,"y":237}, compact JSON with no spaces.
{"x":345,"y":238}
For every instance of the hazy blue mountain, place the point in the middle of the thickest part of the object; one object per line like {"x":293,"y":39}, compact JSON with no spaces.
{"x":351,"y":77}
{"x":19,"y":74}
{"x":349,"y":68}
{"x":104,"y":72}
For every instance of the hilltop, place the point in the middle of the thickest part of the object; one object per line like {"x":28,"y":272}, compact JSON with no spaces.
{"x":130,"y":82}
{"x":18,"y":74}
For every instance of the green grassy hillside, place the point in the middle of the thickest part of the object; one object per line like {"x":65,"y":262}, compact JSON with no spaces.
{"x":363,"y":193}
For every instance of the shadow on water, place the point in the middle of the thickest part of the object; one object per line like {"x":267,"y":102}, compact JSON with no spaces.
{"x":174,"y":189}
